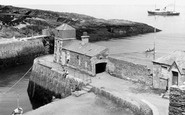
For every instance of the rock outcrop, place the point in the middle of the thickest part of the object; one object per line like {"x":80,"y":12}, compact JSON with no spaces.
{"x":21,"y":22}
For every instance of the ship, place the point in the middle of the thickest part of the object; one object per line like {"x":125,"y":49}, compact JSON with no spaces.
{"x":164,"y":11}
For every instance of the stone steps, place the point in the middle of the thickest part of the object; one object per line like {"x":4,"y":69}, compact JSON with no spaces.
{"x":84,"y":90}
{"x":87,"y":88}
{"x":79,"y":93}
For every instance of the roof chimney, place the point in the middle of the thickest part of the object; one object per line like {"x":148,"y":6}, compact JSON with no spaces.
{"x":85,"y":38}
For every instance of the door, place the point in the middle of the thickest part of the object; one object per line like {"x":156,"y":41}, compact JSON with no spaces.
{"x":174,"y":78}
{"x":100,"y":67}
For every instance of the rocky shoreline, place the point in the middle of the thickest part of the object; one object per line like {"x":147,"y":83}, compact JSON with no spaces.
{"x":31,"y":22}
{"x":27,"y":21}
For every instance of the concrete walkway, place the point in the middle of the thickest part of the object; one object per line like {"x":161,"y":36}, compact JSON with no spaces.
{"x":129,"y":89}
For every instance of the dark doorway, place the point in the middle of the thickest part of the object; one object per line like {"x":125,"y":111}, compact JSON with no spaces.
{"x":174,"y":78}
{"x":100,"y":67}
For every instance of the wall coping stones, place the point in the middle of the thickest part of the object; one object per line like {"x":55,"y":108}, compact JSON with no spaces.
{"x":137,"y":106}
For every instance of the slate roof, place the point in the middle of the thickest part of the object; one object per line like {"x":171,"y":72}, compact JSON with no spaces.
{"x":64,"y":27}
{"x":177,"y":56}
{"x":88,"y":49}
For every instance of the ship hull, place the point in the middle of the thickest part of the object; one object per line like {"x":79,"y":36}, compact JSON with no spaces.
{"x":165,"y":13}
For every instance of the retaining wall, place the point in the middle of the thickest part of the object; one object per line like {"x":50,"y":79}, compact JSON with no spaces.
{"x":177,"y":100}
{"x":45,"y":83}
{"x":138,"y":107}
{"x":128,"y":70}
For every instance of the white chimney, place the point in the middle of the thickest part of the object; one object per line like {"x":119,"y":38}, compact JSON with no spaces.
{"x":85,"y":38}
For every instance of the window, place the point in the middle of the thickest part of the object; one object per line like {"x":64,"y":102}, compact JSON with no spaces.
{"x":101,"y":57}
{"x":79,"y":62}
{"x":85,"y":64}
{"x":78,"y":58}
{"x":68,"y":56}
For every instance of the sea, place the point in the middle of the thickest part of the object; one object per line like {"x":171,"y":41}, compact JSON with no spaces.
{"x":171,"y":38}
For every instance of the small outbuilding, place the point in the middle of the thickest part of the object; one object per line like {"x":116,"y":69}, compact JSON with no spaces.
{"x":80,"y":55}
{"x":169,"y":70}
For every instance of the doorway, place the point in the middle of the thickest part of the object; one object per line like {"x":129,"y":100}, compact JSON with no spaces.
{"x":174,"y":78}
{"x":100,"y":67}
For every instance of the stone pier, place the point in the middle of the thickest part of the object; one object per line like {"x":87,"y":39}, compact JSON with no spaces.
{"x":48,"y":80}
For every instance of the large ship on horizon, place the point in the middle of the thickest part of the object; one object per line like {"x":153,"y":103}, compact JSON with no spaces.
{"x":164,"y":11}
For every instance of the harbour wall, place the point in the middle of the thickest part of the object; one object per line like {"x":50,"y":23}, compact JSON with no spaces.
{"x":137,"y":106}
{"x":20,"y":52}
{"x":48,"y":81}
{"x":129,"y":71}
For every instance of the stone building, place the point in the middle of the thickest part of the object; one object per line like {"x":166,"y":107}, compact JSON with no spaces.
{"x":169,"y":70}
{"x":80,"y":55}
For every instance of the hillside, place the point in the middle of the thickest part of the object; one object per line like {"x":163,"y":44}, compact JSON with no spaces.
{"x":21,"y":22}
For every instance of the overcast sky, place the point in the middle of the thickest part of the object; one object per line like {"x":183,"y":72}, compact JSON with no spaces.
{"x":88,"y":6}
{"x":76,"y":2}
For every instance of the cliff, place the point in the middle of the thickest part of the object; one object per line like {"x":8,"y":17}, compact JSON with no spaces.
{"x":21,"y":22}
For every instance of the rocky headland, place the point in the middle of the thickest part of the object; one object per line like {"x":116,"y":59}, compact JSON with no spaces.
{"x":23,"y":22}
{"x":18,"y":23}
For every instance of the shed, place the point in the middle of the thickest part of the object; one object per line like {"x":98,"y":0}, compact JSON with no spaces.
{"x":169,"y":70}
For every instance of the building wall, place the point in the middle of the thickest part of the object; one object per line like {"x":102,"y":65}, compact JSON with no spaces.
{"x":128,"y":70}
{"x":181,"y":78}
{"x":160,"y":76}
{"x":65,"y":34}
{"x":83,"y":62}
{"x":163,"y":77}
{"x":79,"y":61}
{"x":57,"y":50}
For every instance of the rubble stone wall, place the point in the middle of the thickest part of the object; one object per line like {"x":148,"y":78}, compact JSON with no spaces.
{"x":177,"y":100}
{"x":45,"y":83}
{"x":128,"y":70}
{"x":137,"y":106}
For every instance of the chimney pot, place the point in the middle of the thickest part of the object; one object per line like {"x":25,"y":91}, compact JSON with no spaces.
{"x":85,"y":38}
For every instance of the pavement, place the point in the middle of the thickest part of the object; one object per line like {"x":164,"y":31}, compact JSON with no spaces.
{"x":133,"y":90}
{"x":87,"y":104}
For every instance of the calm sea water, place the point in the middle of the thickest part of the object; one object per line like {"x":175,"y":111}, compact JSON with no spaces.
{"x":172,"y":37}
{"x":8,"y":101}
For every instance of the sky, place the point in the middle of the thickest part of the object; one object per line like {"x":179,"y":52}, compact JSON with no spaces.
{"x":67,"y":2}
{"x":88,"y":7}
{"x":81,"y":2}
